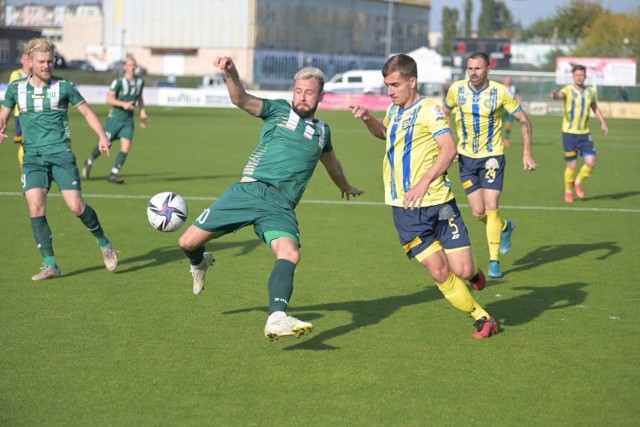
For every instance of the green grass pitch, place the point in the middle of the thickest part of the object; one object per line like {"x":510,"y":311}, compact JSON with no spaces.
{"x":137,"y":348}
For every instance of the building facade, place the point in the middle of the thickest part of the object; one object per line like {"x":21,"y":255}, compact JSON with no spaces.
{"x":269,"y":39}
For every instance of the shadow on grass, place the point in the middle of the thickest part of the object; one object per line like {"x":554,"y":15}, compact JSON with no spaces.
{"x":554,"y":253}
{"x":514,"y":311}
{"x":528,"y":306}
{"x":363,"y":313}
{"x":153,"y":177}
{"x":168,"y":254}
{"x":617,"y":196}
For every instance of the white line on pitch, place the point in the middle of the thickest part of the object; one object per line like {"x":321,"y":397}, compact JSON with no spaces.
{"x":347,"y":202}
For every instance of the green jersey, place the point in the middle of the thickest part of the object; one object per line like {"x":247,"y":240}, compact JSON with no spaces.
{"x":125,"y":90}
{"x":288,"y":150}
{"x":43,"y":113}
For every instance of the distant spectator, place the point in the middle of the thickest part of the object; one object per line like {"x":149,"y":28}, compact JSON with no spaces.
{"x":623,"y":95}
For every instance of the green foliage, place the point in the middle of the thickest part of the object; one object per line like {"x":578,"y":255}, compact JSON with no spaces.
{"x":545,"y":29}
{"x":573,"y":19}
{"x":495,"y":19}
{"x":551,"y":58}
{"x":468,"y":22}
{"x":450,"y":18}
{"x":136,"y":348}
{"x":612,"y":35}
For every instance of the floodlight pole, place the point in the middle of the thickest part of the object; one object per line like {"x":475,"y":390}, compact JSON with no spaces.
{"x":124,"y":46}
{"x":389,"y":27}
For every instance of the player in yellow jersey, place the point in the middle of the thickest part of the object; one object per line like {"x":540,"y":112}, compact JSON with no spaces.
{"x":480,"y":104}
{"x":18,"y":74}
{"x":576,"y":137}
{"x":419,"y":150}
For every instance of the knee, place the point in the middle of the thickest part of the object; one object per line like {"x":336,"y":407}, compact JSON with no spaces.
{"x":438,"y":273}
{"x":186,"y":243}
{"x":292,"y":255}
{"x":77,"y":208}
{"x":464,"y":272}
{"x":478,"y":215}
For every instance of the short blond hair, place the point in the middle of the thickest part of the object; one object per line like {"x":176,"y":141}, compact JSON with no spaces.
{"x":39,"y":45}
{"x":311,"y":73}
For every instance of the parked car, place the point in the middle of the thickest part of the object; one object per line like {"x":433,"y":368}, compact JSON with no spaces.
{"x":118,"y":67}
{"x":59,"y":61}
{"x":356,"y":81}
{"x":214,"y":81}
{"x":80,"y":65}
{"x":164,"y":83}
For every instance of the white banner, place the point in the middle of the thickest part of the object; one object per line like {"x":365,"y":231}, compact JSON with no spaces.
{"x":600,"y":71}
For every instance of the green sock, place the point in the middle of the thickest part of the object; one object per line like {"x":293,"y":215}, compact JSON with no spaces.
{"x":196,"y":256}
{"x":281,"y":285}
{"x":95,"y":154}
{"x":43,"y":237}
{"x":122,"y":157}
{"x":90,"y":220}
{"x":50,"y":260}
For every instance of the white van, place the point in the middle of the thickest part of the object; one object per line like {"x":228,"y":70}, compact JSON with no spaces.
{"x":215,"y":81}
{"x":356,"y":81}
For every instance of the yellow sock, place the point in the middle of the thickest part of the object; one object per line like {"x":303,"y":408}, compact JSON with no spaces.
{"x":585,"y":172}
{"x":494,"y":233}
{"x":569,"y":177}
{"x":21,"y":155}
{"x":457,"y":293}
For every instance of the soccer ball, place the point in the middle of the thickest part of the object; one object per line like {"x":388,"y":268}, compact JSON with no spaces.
{"x":167,"y":211}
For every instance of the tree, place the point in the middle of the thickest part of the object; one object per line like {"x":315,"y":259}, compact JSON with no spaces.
{"x":571,"y":21}
{"x":543,"y":29}
{"x":468,"y":14}
{"x":495,"y":19}
{"x":449,"y":29}
{"x":486,"y":22}
{"x":612,"y":35}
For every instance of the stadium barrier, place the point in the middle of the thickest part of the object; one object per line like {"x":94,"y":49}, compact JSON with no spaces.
{"x":219,"y":98}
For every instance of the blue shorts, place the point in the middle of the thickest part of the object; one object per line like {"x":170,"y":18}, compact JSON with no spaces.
{"x":418,"y":229}
{"x":487,"y":172}
{"x":574,"y":143}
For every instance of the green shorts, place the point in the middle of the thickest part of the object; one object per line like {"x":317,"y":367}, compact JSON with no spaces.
{"x":39,"y":170}
{"x":118,"y":128}
{"x":251,"y":203}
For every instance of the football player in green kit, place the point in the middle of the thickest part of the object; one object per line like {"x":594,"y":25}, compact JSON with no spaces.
{"x":44,"y":100}
{"x":124,"y":94}
{"x":291,"y":142}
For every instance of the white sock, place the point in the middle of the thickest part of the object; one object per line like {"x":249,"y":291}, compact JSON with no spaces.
{"x":275,"y":316}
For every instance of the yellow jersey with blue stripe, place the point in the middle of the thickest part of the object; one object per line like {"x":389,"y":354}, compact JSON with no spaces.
{"x":577,"y":104}
{"x":412,"y":150}
{"x":479,"y":117}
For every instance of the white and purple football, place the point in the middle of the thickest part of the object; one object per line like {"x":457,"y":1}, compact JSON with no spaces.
{"x":167,"y":211}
